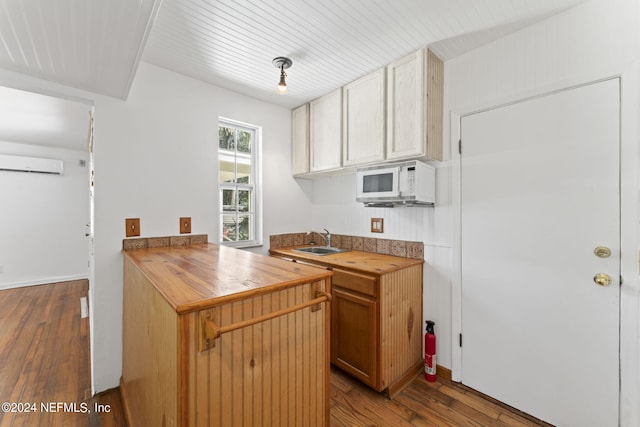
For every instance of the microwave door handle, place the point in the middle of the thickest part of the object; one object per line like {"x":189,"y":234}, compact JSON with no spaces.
{"x":397,"y":188}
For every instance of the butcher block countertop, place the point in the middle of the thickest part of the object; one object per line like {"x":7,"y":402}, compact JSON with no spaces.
{"x":199,"y":276}
{"x":352,"y":260}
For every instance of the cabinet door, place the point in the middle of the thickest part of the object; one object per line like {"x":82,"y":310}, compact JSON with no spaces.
{"x":353,"y":334}
{"x":364,"y":117}
{"x":406,"y":100}
{"x":414,"y":106}
{"x":300,"y":140}
{"x":435,"y":100}
{"x":325,"y":137}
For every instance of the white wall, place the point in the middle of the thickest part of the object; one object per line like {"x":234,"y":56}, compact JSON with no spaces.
{"x":44,"y":219}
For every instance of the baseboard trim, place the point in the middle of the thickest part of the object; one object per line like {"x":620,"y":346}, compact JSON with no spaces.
{"x":394,"y":389}
{"x":443,"y":373}
{"x":44,"y":281}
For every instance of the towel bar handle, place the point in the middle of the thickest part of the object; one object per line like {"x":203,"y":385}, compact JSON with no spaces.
{"x":209,"y":331}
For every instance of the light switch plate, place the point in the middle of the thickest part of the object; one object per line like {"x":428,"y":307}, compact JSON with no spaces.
{"x":185,"y":225}
{"x":132,"y":227}
{"x":377,"y":225}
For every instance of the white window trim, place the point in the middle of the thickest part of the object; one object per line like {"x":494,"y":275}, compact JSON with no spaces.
{"x":257,"y":186}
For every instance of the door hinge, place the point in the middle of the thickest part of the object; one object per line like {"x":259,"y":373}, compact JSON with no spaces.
{"x":460,"y":339}
{"x":460,"y":146}
{"x":621,"y":280}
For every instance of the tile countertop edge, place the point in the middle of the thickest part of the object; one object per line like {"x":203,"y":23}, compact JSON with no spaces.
{"x":196,"y":303}
{"x":352,"y":260}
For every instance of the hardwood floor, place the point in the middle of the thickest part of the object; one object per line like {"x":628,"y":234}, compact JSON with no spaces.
{"x":44,"y":359}
{"x":443,"y":403}
{"x":44,"y":355}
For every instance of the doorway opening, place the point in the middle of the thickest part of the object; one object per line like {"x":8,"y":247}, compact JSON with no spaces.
{"x":47,"y":228}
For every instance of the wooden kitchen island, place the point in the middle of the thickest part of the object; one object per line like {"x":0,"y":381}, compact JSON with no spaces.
{"x":216,"y":336}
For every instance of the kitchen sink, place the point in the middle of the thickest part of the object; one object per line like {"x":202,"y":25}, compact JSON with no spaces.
{"x":320,"y":250}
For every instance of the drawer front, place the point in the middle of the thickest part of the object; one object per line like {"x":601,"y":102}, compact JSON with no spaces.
{"x":361,"y":283}
{"x":297,"y":261}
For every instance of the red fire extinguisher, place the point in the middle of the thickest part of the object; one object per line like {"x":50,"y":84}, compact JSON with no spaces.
{"x":430,"y":353}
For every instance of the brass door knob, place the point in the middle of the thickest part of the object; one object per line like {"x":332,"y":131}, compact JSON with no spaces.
{"x":602,"y":279}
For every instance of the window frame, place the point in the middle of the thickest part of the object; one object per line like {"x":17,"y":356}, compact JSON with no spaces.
{"x":255,"y":187}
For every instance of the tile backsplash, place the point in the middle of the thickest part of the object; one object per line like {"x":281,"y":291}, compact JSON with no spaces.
{"x":401,"y":248}
{"x":157,"y":242}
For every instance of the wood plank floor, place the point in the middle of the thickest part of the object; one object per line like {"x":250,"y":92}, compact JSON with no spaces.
{"x":443,"y":403}
{"x":44,"y":357}
{"x":44,"y":354}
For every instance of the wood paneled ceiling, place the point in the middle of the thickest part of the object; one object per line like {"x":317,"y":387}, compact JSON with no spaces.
{"x":96,"y":45}
{"x":93,"y":45}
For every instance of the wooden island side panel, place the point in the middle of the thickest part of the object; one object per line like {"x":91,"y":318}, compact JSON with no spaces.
{"x":284,"y":362}
{"x":150,"y":353}
{"x":401,"y":327}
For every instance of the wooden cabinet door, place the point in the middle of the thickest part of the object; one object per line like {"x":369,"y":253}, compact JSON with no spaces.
{"x":325,"y":134}
{"x":353,"y":334}
{"x":414,"y":106}
{"x":364,"y":119}
{"x":300,"y":140}
{"x":406,"y":102}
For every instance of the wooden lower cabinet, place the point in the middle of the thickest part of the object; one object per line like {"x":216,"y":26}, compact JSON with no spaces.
{"x":354,"y":335}
{"x":376,"y":331}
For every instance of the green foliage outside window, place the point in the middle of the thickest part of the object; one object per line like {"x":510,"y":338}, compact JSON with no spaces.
{"x":227,"y":140}
{"x":236,"y":229}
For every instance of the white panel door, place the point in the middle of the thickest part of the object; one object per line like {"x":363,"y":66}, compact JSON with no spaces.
{"x":540,"y":191}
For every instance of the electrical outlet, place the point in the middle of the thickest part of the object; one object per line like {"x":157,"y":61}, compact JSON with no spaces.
{"x":185,"y":225}
{"x":132,"y":227}
{"x":1,"y":269}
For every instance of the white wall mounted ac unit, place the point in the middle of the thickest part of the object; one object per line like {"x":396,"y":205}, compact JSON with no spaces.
{"x":30,"y":164}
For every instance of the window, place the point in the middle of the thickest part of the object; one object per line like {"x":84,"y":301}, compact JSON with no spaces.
{"x":238,"y":177}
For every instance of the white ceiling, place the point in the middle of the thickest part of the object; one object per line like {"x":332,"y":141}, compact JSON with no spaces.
{"x":231,"y":43}
{"x":96,"y":45}
{"x":87,"y":44}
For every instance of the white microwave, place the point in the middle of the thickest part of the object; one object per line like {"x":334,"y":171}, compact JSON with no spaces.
{"x":410,"y":183}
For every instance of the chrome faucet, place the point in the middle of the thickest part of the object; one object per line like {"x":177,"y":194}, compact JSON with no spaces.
{"x":327,"y":240}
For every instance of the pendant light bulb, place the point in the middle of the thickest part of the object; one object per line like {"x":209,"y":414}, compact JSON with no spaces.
{"x":282,"y":63}
{"x":282,"y":86}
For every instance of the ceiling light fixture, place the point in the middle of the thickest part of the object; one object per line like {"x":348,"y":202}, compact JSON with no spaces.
{"x":282,"y":63}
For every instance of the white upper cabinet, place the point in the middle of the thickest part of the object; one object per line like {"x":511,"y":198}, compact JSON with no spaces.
{"x":325,"y":135}
{"x":364,"y":118}
{"x":300,"y":140}
{"x":414,"y":106}
{"x":394,"y":113}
